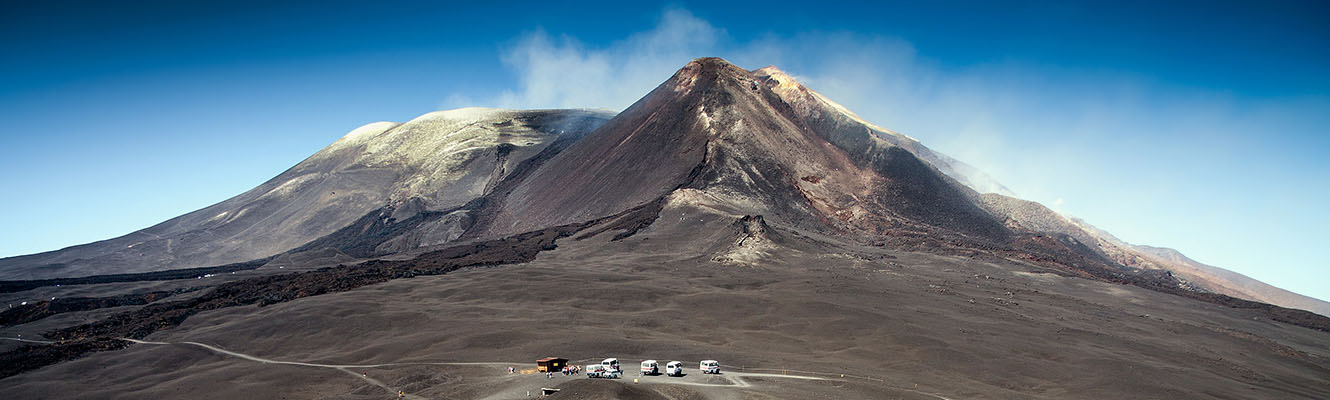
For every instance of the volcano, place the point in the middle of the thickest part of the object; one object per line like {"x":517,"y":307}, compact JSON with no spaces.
{"x":728,"y":214}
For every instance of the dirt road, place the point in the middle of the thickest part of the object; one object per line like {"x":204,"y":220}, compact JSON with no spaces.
{"x":735,"y":378}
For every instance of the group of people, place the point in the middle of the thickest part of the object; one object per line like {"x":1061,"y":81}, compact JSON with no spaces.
{"x":571,"y":370}
{"x":567,"y":370}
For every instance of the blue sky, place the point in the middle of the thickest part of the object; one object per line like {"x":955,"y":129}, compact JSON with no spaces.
{"x":1199,"y":126}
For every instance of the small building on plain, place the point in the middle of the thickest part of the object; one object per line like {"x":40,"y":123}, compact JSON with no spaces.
{"x":551,"y":364}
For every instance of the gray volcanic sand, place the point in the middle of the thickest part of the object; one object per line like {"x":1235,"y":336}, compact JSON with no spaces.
{"x":953,"y":326}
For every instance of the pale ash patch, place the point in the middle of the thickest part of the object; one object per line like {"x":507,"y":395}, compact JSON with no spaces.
{"x":288,"y":187}
{"x":702,"y":115}
{"x":363,"y":134}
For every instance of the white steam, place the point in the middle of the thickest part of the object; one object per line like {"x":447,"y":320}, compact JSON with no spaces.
{"x":561,"y":72}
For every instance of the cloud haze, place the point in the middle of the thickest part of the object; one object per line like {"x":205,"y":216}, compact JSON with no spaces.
{"x":558,"y":71}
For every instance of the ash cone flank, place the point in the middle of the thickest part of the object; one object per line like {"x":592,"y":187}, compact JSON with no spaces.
{"x":724,"y":130}
{"x":641,"y":154}
{"x":754,"y":242}
{"x":814,"y":106}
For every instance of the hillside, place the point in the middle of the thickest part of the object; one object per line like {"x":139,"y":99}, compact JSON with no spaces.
{"x":436,"y":162}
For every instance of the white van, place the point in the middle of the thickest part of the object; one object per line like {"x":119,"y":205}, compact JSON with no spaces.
{"x":710,"y":366}
{"x":599,"y":371}
{"x":650,"y":367}
{"x":594,"y":370}
{"x":674,"y":368}
{"x":611,"y":364}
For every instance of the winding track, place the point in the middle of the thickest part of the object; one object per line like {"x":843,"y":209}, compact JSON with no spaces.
{"x":341,"y":367}
{"x":736,"y":377}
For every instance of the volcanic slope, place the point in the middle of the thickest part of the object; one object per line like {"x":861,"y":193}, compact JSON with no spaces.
{"x":818,"y":110}
{"x":1219,"y":280}
{"x":846,"y":128}
{"x":1029,"y":215}
{"x":382,"y":170}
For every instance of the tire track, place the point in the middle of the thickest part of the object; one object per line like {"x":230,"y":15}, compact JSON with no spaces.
{"x":737,"y":378}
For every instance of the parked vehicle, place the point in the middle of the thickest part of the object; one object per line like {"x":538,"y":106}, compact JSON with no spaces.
{"x":650,"y":367}
{"x":710,"y":366}
{"x":674,"y":368}
{"x":595,"y":370}
{"x":611,"y":364}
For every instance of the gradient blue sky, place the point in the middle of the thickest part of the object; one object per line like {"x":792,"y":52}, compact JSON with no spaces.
{"x":1199,"y":126}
